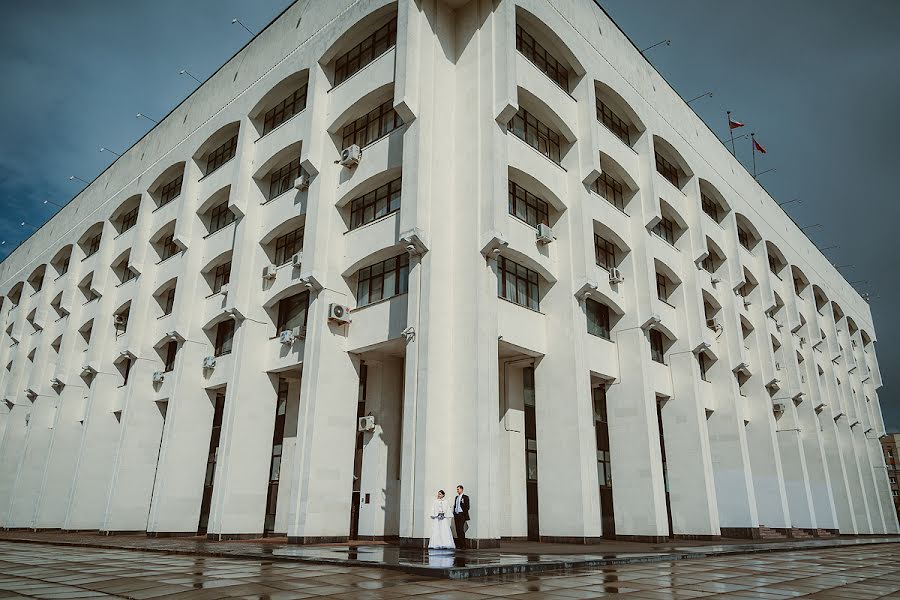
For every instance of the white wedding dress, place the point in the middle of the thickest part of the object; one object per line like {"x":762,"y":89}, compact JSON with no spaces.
{"x":441,"y":536}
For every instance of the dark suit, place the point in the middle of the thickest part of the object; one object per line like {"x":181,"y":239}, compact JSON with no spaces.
{"x":459,"y":519}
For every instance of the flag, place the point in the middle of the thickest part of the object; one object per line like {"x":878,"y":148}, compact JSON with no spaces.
{"x":732,"y":124}
{"x":758,"y":148}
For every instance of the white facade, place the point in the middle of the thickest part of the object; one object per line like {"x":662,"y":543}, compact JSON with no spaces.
{"x":107,"y":425}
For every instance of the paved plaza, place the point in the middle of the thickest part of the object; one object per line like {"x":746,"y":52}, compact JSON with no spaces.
{"x":47,"y":571}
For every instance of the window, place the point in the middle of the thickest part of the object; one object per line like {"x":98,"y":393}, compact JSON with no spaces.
{"x":657,"y":352}
{"x":221,"y":155}
{"x":601,"y":429}
{"x":597,"y":318}
{"x":604,"y":252}
{"x":517,"y":284}
{"x":798,"y":286}
{"x":667,"y":170}
{"x":610,"y":189}
{"x":744,"y":290}
{"x":220,"y":216}
{"x":666,"y":230}
{"x":365,"y":52}
{"x":662,"y":287}
{"x":64,"y":265}
{"x":127,"y":272}
{"x":708,"y":264}
{"x":703,"y":361}
{"x":292,"y":312}
{"x":527,"y":128}
{"x":224,"y":337}
{"x":612,"y":121}
{"x":120,"y":322}
{"x":168,"y":248}
{"x":126,"y":370}
{"x":542,"y":59}
{"x":285,"y":109}
{"x":287,"y":246}
{"x":774,"y":265}
{"x":372,"y":126}
{"x":744,"y":237}
{"x":383,"y":280}
{"x":93,"y":245}
{"x":527,"y":207}
{"x":168,"y":301}
{"x":170,"y":191}
{"x":171,"y":352}
{"x":128,"y":220}
{"x":710,"y":207}
{"x":376,"y":204}
{"x":282,"y":180}
{"x":221,"y":276}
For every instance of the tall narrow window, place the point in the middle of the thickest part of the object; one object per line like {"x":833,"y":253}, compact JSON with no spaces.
{"x":666,"y":230}
{"x":128,"y":220}
{"x":287,"y":245}
{"x":168,"y":248}
{"x":604,"y":252}
{"x":657,"y":350}
{"x":604,"y":462}
{"x":517,"y":284}
{"x":703,"y":361}
{"x":170,"y":191}
{"x":64,"y":265}
{"x":224,"y":337}
{"x":285,"y":109}
{"x":126,"y":370}
{"x":527,"y":207}
{"x":610,"y":189}
{"x":120,"y":322}
{"x":282,"y":180}
{"x":221,"y":276}
{"x":708,"y":264}
{"x":612,"y":121}
{"x":662,"y":287}
{"x":710,"y":207}
{"x":667,"y":170}
{"x":214,"y":437}
{"x":527,"y":128}
{"x":597,"y":318}
{"x":93,"y":245}
{"x":383,"y":280}
{"x":372,"y":126}
{"x":292,"y":312}
{"x":220,"y":216}
{"x":171,"y":353}
{"x":168,"y":301}
{"x":221,"y":155}
{"x":376,"y":204}
{"x":531,"y":451}
{"x":365,"y":52}
{"x":277,"y":451}
{"x":542,"y":59}
{"x":744,"y":237}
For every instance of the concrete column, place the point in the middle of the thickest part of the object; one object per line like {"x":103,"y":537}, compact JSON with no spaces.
{"x":838,"y":471}
{"x":692,"y":491}
{"x":27,"y":489}
{"x":638,"y":486}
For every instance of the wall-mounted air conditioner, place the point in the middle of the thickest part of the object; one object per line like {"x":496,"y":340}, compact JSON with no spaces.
{"x":351,"y":156}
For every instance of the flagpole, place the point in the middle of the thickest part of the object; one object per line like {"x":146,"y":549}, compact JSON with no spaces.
{"x":730,"y":131}
{"x":753,"y":144}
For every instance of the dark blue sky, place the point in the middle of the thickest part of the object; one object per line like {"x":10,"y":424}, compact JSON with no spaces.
{"x":817,"y":81}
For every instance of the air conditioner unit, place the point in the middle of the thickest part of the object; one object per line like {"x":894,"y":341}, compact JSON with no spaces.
{"x":714,"y":280}
{"x":224,"y":289}
{"x":351,"y":156}
{"x":713,"y":324}
{"x":779,"y":325}
{"x":778,"y":407}
{"x":286,"y":337}
{"x":747,"y":303}
{"x":269,"y":272}
{"x":802,"y":342}
{"x":366,"y":424}
{"x":302,"y":182}
{"x":158,"y":377}
{"x":297,"y":259}
{"x":544,"y":234}
{"x":209,"y":362}
{"x":338,"y":313}
{"x":615,"y":276}
{"x":119,"y":319}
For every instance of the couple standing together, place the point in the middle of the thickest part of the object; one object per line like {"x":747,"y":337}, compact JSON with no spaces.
{"x":441,"y":510}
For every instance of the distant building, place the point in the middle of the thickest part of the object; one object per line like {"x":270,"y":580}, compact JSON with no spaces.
{"x":891,"y":443}
{"x":392,"y":246}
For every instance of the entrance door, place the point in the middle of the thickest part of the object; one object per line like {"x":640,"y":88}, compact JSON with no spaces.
{"x":214,"y":436}
{"x":277,"y":451}
{"x":604,"y":474}
{"x":356,"y":496}
{"x":531,"y":465}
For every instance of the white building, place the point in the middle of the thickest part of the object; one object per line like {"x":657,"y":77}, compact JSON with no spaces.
{"x":666,"y":353}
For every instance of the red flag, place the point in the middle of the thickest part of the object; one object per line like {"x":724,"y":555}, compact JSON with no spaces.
{"x":759,"y":148}
{"x":732,"y":124}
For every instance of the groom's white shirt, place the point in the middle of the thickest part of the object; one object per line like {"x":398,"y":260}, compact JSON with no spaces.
{"x":458,"y":507}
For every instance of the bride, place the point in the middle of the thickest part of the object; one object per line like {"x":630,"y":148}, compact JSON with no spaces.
{"x":441,"y":536}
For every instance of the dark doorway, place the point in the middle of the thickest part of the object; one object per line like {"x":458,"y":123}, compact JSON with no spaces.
{"x":531,"y":464}
{"x":219,"y":409}
{"x":277,"y":451}
{"x":604,"y":464}
{"x":662,"y":451}
{"x":356,"y":497}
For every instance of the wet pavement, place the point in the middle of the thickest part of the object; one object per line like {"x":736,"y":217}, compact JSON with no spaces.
{"x":511,"y":557}
{"x":46,"y":571}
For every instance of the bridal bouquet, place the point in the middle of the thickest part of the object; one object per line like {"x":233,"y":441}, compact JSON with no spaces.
{"x":440,"y":516}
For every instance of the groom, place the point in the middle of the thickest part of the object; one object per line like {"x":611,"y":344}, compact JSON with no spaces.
{"x":460,"y":516}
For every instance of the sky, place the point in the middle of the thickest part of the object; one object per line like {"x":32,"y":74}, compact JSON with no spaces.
{"x":816,"y":80}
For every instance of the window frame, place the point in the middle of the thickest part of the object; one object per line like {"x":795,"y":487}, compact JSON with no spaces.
{"x":366,"y":52}
{"x":289,"y":309}
{"x":710,"y":207}
{"x":221,"y":155}
{"x":669,"y":171}
{"x":92,"y":246}
{"x":170,"y":191}
{"x":287,"y":245}
{"x":220,"y":217}
{"x":171,"y":356}
{"x":534,"y":132}
{"x":128,"y":219}
{"x":365,"y":209}
{"x":286,"y":109}
{"x":612,"y":121}
{"x":529,"y":297}
{"x":657,"y":347}
{"x":221,"y":276}
{"x":611,"y":187}
{"x":168,"y":304}
{"x":281,"y":180}
{"x":360,"y":131}
{"x":598,"y":319}
{"x":224,"y":338}
{"x":537,"y":55}
{"x":607,"y":250}
{"x":517,"y":197}
{"x":167,"y":247}
{"x":665,"y":229}
{"x":392,"y":270}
